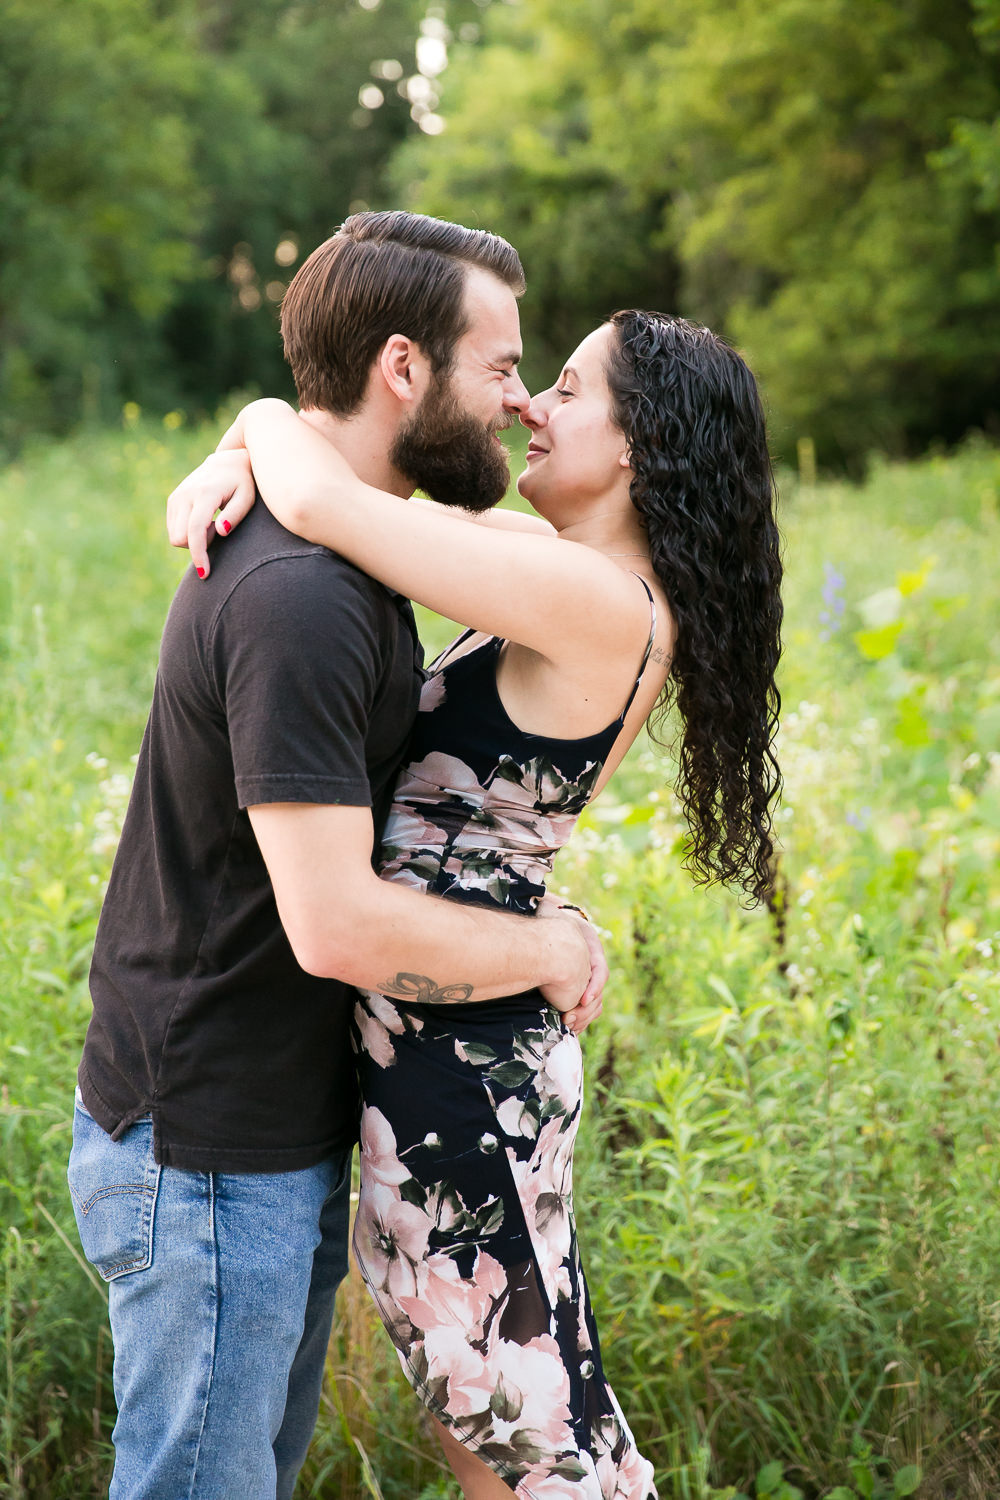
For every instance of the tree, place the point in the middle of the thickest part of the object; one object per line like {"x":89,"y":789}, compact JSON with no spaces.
{"x":523,"y":155}
{"x":287,"y":148}
{"x":164,"y":167}
{"x":789,"y":173}
{"x":98,"y":198}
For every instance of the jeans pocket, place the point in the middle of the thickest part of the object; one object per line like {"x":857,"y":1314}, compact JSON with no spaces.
{"x":114,"y":1185}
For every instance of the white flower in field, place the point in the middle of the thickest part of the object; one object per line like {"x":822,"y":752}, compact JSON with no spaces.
{"x":972,"y":761}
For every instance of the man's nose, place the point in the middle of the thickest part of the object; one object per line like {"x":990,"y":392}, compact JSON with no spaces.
{"x":515,"y":396}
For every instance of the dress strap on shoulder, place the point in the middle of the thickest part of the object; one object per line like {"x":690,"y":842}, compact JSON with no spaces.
{"x":649,"y":646}
{"x":444,"y":654}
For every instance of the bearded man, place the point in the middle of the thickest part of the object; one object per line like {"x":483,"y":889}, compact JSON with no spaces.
{"x":216,"y":1107}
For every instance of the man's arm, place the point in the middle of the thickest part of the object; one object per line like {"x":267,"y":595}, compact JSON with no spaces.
{"x":343,"y":922}
{"x":297,"y":657}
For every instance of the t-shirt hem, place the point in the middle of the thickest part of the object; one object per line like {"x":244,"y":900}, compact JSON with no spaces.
{"x":252,"y":791}
{"x":237,"y":1159}
{"x":212,"y":1157}
{"x":114,"y":1122}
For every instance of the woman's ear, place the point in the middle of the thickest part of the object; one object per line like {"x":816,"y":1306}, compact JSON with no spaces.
{"x":404,"y":368}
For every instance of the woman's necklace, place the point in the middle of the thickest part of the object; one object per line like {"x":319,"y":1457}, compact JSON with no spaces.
{"x":625,"y":554}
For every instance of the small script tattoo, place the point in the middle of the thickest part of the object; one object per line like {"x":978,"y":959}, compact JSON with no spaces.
{"x":658,"y":655}
{"x":423,"y":991}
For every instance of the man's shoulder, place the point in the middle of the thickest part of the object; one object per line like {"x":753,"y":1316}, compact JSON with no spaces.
{"x":264,"y":573}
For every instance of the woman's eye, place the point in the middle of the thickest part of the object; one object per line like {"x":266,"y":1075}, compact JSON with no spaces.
{"x":562,"y":391}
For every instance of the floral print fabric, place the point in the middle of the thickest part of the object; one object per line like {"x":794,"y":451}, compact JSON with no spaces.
{"x":465,"y":1231}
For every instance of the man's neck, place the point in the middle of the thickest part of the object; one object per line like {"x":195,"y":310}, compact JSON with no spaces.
{"x":365,"y":442}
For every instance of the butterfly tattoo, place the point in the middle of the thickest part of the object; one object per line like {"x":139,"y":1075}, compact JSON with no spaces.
{"x":423,"y":991}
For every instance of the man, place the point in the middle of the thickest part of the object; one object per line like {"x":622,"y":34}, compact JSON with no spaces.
{"x":216,"y":1108}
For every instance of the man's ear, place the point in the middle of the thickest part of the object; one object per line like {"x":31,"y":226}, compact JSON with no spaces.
{"x":405,"y":369}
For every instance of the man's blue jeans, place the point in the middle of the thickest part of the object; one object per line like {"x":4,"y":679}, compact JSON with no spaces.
{"x":221,"y":1290}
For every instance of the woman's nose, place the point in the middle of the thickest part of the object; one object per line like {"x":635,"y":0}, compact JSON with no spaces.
{"x":535,"y":413}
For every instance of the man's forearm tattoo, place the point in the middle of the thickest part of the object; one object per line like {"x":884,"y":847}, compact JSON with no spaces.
{"x":424,"y":991}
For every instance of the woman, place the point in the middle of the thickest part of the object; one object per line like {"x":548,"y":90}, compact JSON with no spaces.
{"x":653,"y":576}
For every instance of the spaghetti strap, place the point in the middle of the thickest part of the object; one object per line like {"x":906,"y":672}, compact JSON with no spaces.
{"x":445,"y":653}
{"x":649,"y":646}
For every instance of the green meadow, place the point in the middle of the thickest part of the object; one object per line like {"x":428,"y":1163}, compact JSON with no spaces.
{"x":787,"y":1180}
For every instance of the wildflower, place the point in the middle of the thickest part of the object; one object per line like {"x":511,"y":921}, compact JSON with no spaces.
{"x":831,"y":617}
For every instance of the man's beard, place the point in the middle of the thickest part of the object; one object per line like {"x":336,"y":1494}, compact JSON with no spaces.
{"x":452,"y":456}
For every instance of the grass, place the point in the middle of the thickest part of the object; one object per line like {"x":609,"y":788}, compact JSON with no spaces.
{"x":787,"y":1180}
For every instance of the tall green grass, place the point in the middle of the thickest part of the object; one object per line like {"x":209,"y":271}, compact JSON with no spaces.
{"x":787,"y":1182}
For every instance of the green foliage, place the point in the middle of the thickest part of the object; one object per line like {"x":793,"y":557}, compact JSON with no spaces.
{"x":98,"y":196}
{"x":810,"y":1152}
{"x":817,"y":180}
{"x":786,"y":1186}
{"x":286,"y":151}
{"x":163,"y":169}
{"x":820,"y":181}
{"x":524,"y":155}
{"x":977,"y":141}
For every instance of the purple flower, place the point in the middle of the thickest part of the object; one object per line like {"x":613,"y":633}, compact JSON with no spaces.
{"x":860,"y":819}
{"x":833,"y":597}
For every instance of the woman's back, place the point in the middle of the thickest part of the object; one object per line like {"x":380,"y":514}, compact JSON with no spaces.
{"x":483,"y":806}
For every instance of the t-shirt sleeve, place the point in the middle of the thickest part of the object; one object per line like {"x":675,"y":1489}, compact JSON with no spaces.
{"x":296,"y":653}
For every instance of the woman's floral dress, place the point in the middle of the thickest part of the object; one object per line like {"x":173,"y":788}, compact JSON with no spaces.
{"x":465,"y":1231}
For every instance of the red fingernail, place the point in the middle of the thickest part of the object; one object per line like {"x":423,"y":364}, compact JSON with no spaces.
{"x":201,"y":572}
{"x":227,"y":527}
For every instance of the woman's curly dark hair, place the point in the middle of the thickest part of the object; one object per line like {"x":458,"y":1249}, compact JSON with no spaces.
{"x":703,"y":485}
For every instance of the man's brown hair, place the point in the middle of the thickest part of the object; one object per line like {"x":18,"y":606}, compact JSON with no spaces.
{"x":380,"y":274}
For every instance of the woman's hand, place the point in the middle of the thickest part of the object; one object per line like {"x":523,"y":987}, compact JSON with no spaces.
{"x":224,"y":483}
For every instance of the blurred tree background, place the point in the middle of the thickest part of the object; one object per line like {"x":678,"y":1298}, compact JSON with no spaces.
{"x":818,"y":179}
